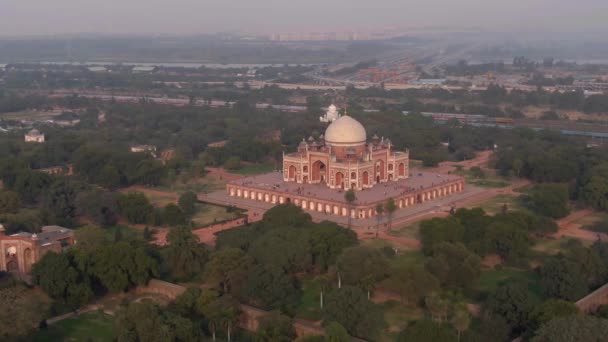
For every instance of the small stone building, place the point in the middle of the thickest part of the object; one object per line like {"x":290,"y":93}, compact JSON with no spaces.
{"x":18,"y":252}
{"x":34,"y":136}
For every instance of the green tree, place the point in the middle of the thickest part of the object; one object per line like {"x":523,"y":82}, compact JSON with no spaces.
{"x":412,"y":283}
{"x":109,"y":177}
{"x":187,"y":202}
{"x":90,"y":239}
{"x":21,"y":311}
{"x":31,"y":184}
{"x":437,"y":230}
{"x":461,"y":321}
{"x":173,"y":215}
{"x":454,"y":266}
{"x":233,"y":163}
{"x":227,"y":268}
{"x":437,"y":306}
{"x":60,"y":278}
{"x":550,"y":200}
{"x":60,"y":200}
{"x":551,"y":309}
{"x":271,"y":288}
{"x":146,"y":322}
{"x":358,"y":263}
{"x":136,"y":207}
{"x":562,"y":278}
{"x":275,"y":327}
{"x":327,"y":241}
{"x":514,"y":302}
{"x":573,"y":328}
{"x":186,"y":256}
{"x":99,"y":206}
{"x":427,"y":331}
{"x":221,"y":312}
{"x":9,"y":202}
{"x":291,"y":243}
{"x":349,"y":307}
{"x":335,"y":332}
{"x":120,"y":266}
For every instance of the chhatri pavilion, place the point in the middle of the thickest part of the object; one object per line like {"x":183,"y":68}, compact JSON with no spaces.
{"x":316,"y":176}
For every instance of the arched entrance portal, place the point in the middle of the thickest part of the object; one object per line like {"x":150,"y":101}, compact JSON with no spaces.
{"x":318,"y":172}
{"x":292,"y":172}
{"x":27,"y":259}
{"x":365,"y":178}
{"x":401,"y":170}
{"x":379,"y":170}
{"x":339,"y":180}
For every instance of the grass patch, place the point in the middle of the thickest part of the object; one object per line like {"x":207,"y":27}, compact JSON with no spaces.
{"x":255,"y":169}
{"x":526,"y":189}
{"x":209,"y":213}
{"x":596,"y":222}
{"x":554,"y":246}
{"x":92,"y":326}
{"x":408,"y":259}
{"x":412,"y":231}
{"x":490,"y":280}
{"x":196,"y":184}
{"x":486,"y":183}
{"x":127,"y":233}
{"x":495,"y":204}
{"x":159,"y":200}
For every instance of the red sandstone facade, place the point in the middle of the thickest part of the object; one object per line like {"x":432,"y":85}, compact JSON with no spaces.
{"x":20,"y":251}
{"x":340,"y":208}
{"x":344,"y":159}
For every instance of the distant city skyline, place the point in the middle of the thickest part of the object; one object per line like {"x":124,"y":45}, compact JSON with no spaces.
{"x":35,"y":17}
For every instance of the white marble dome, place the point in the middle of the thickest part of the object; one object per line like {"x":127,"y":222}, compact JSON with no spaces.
{"x":345,"y":131}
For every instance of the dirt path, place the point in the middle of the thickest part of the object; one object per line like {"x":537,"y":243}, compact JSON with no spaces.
{"x":568,"y":228}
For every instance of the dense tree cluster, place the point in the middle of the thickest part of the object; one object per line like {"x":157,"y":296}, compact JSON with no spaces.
{"x":78,"y":275}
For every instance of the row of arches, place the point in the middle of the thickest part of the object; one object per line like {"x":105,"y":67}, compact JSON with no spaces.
{"x":341,"y":209}
{"x":319,"y":175}
{"x":18,"y":262}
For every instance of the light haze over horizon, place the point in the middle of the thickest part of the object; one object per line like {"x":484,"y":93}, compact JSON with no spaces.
{"x":44,"y":17}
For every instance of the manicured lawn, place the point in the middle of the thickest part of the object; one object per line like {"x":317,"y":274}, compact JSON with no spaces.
{"x":255,"y":169}
{"x":208,"y":213}
{"x":92,"y":326}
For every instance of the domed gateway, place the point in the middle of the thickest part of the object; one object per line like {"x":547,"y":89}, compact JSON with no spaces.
{"x":343,"y":159}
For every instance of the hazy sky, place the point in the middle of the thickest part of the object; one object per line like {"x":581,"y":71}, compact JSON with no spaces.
{"x":27,"y":17}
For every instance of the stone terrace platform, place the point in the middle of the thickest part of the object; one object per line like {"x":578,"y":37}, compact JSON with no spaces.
{"x":419,"y":188}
